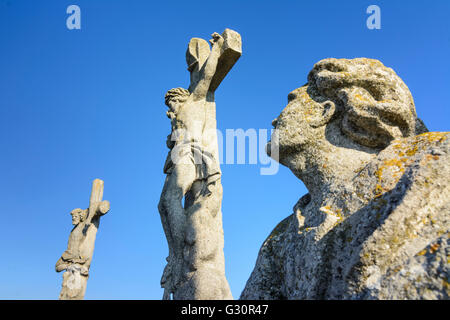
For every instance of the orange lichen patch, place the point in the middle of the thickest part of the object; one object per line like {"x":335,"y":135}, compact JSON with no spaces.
{"x":413,"y":150}
{"x":305,"y":96}
{"x":397,"y":269}
{"x":430,"y":157}
{"x":336,"y":213}
{"x":372,"y":62}
{"x":421,"y":253}
{"x":397,"y":166}
{"x":409,"y":149}
{"x":328,"y":210}
{"x":309,"y":112}
{"x":361,"y":98}
{"x":309,"y":104}
{"x":378,"y":190}
{"x":433,"y":136}
{"x":405,"y":150}
{"x":434,"y":247}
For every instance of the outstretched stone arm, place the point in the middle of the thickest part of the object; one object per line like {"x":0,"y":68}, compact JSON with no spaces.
{"x":231,"y":51}
{"x":209,"y":69}
{"x":225,"y":52}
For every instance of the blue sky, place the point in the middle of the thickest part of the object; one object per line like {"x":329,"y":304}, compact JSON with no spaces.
{"x":76,"y":105}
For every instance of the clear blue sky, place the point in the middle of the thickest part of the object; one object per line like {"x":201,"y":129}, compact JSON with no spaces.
{"x":82,"y":104}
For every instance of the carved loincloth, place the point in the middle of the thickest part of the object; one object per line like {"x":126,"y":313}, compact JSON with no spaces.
{"x":207,"y":167}
{"x":70,"y":257}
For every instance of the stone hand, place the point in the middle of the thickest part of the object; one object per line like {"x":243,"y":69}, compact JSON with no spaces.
{"x":216,"y":38}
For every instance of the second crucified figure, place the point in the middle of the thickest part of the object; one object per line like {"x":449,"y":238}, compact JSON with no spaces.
{"x":196,"y":265}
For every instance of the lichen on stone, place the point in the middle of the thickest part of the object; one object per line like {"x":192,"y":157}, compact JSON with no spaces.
{"x":377,"y":220}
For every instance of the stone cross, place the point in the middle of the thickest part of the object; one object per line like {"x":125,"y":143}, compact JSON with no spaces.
{"x":196,"y":265}
{"x":76,"y":260}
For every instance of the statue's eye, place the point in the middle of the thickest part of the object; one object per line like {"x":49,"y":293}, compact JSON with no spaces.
{"x":291,"y":96}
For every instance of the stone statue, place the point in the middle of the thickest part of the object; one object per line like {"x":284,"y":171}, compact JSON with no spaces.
{"x":76,"y":260}
{"x":195,"y":266}
{"x":375,"y":223}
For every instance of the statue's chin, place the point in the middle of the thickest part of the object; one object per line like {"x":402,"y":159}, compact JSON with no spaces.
{"x":268,"y":148}
{"x":273,"y":151}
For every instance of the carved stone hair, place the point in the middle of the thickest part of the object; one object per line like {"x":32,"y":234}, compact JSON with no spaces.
{"x":178,"y":95}
{"x":376,"y":105}
{"x":82,"y":213}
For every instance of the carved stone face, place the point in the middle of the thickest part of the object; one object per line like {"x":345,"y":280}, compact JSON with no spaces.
{"x":77,"y":215}
{"x":296,"y":125}
{"x":174,"y":99}
{"x":373,"y":104}
{"x":174,"y":106}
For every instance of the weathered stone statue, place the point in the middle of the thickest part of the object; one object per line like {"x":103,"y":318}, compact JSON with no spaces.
{"x":375,"y":223}
{"x":76,"y":260}
{"x":195,"y":265}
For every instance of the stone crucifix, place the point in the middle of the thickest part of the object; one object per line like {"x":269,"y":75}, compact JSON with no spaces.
{"x":77,"y":259}
{"x":196,"y":265}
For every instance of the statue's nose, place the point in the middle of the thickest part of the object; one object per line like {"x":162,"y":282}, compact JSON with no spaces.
{"x":275,"y":122}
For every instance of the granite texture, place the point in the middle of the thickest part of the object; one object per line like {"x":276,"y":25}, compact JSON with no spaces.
{"x":375,"y":221}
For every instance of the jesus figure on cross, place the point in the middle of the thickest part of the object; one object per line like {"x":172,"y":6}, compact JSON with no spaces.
{"x":195,"y":268}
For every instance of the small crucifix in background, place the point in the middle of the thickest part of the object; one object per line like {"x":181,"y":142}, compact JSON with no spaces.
{"x":76,"y":260}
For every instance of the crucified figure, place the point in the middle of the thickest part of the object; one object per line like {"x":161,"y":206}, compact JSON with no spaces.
{"x":195,"y":265}
{"x":76,"y":260}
